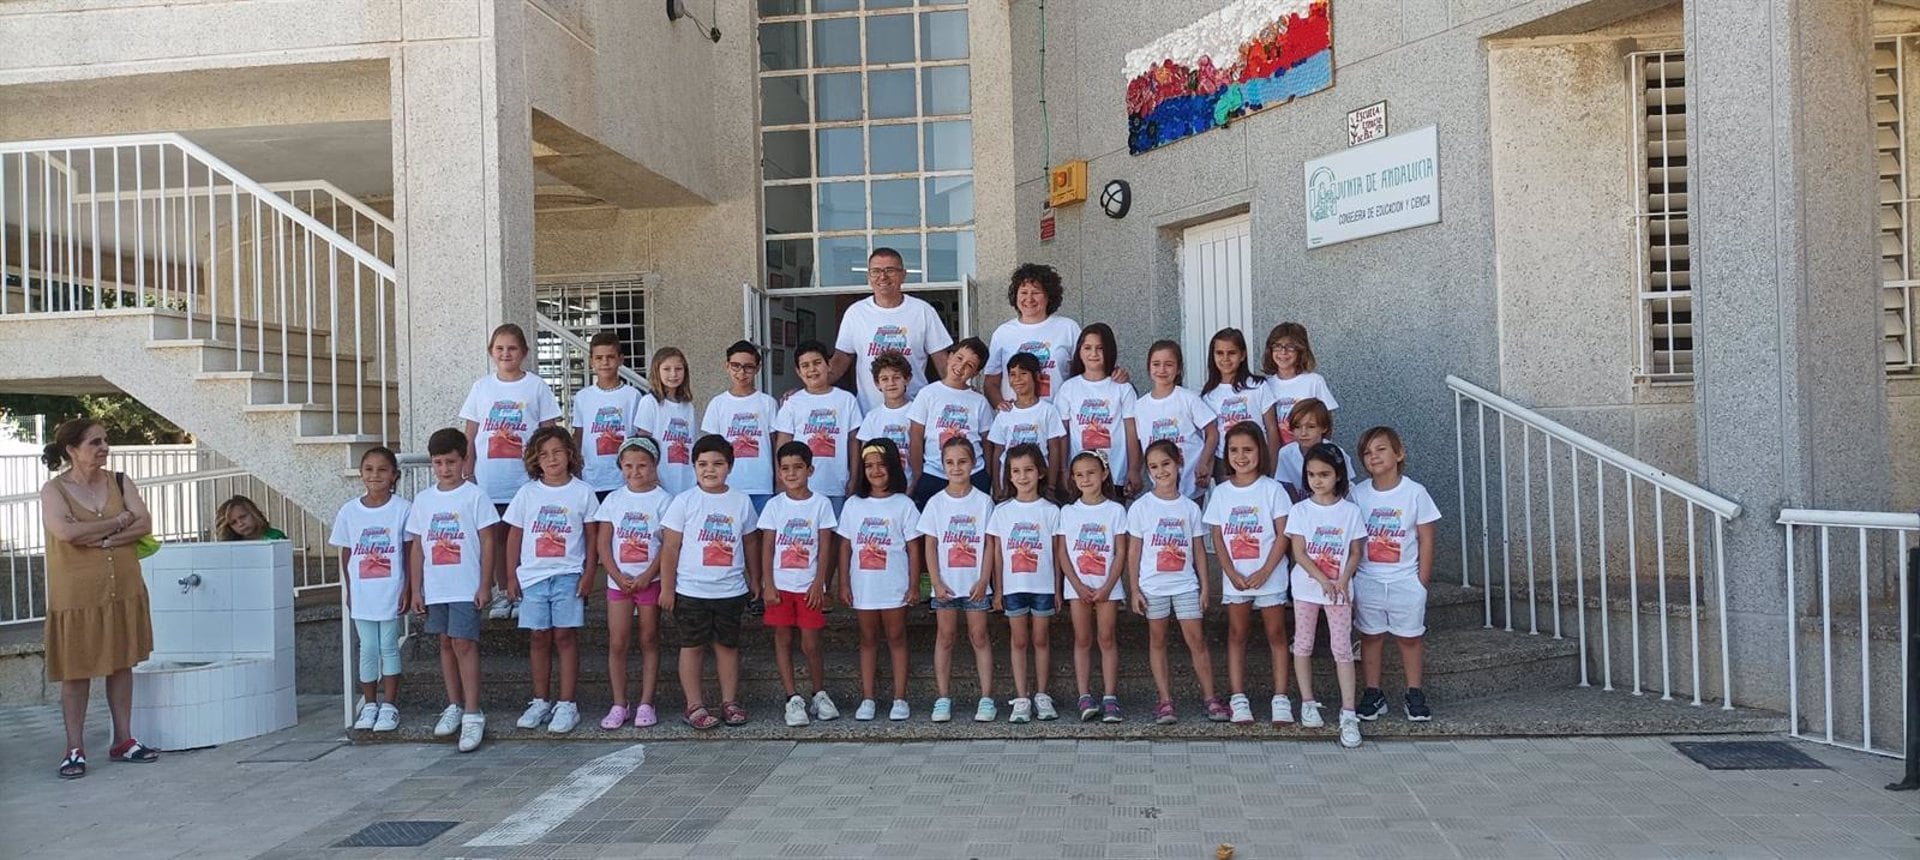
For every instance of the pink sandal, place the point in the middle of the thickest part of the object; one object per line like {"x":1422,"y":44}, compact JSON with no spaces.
{"x":734,"y":714}
{"x":700,"y":719}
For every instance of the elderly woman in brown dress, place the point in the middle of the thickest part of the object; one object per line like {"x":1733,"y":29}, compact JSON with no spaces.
{"x":97,"y":621}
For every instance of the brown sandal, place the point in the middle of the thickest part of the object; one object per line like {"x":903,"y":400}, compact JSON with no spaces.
{"x":701,"y":719}
{"x":734,"y":714}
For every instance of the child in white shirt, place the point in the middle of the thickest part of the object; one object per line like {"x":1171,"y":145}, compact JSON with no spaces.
{"x":1312,"y":423}
{"x":1167,"y":572}
{"x":605,"y":412}
{"x":879,"y":560}
{"x":1088,"y":552}
{"x":1328,"y":536}
{"x":1171,"y":411}
{"x":893,"y":418}
{"x":548,"y":557}
{"x":1098,"y":409}
{"x":1235,"y":394}
{"x":448,"y":523}
{"x":955,"y":523}
{"x":1248,"y":516}
{"x":823,"y":417}
{"x":667,"y":416}
{"x":709,"y":566}
{"x":798,"y":554}
{"x":371,"y":532}
{"x":946,"y":409}
{"x":1390,"y":586}
{"x":501,"y":412}
{"x":1025,"y":418}
{"x":743,"y":415}
{"x":1020,"y":537}
{"x":1290,"y":375}
{"x":627,"y":533}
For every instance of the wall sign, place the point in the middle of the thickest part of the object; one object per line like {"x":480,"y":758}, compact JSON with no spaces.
{"x":1249,"y":56}
{"x":1046,"y":224}
{"x":1380,"y":187}
{"x":1367,"y":124}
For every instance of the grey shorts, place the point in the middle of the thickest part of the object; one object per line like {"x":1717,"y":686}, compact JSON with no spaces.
{"x":1183,"y":607}
{"x":456,"y":620}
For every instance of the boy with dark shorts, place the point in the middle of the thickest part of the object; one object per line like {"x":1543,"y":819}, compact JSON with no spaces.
{"x":449,"y":559}
{"x":709,"y":566}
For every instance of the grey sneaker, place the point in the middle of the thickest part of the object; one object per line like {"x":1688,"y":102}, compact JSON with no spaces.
{"x":1310,"y":714}
{"x":1373,"y":704}
{"x":866,"y":710}
{"x":1282,"y":710}
{"x":449,"y":722}
{"x":796,"y":711}
{"x":1043,"y":707}
{"x":536,"y":713}
{"x":987,"y":711}
{"x":566,"y":715}
{"x":1022,"y":710}
{"x":472,"y":728}
{"x":823,"y":709}
{"x":1349,"y":729}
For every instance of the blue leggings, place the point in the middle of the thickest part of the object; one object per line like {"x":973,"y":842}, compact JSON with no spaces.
{"x":379,"y":648}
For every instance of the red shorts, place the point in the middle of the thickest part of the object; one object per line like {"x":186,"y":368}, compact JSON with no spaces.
{"x":793,"y":611}
{"x":649,"y":596}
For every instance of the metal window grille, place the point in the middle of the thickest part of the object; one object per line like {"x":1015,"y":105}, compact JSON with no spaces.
{"x":1896,"y":206}
{"x":586,"y":308}
{"x":1665,"y":270}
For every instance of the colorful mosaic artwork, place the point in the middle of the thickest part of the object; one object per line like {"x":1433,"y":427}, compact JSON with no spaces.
{"x":1249,"y":56}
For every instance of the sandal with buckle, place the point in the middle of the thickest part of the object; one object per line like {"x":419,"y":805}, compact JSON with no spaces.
{"x":75,"y":764}
{"x":701,"y":719}
{"x":733,"y":714}
{"x":134,"y":751}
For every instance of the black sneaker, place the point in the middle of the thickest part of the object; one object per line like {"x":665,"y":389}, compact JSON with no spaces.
{"x":1417,"y":710}
{"x":1373,"y":703}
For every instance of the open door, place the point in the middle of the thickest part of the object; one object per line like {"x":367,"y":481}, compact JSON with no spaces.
{"x":755,"y":312}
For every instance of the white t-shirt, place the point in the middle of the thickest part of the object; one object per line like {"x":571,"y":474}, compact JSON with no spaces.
{"x":1393,"y":544}
{"x":877,"y":531}
{"x":1181,"y":416}
{"x":945,"y":412}
{"x":1292,"y":462}
{"x":912,"y":328}
{"x":1165,"y":530}
{"x":1231,"y":407}
{"x":507,"y":414}
{"x":553,"y":522}
{"x":747,"y":422}
{"x":1026,"y":531}
{"x":795,"y":528}
{"x":1096,"y":413}
{"x":605,"y":419}
{"x":1329,"y":531}
{"x":826,"y":423}
{"x":377,"y":566}
{"x":1285,"y":392}
{"x":959,"y":526}
{"x":1051,"y":340}
{"x":1093,"y":533}
{"x":636,"y":519}
{"x":1039,"y":424}
{"x":888,"y":423}
{"x":713,"y":531}
{"x":671,"y":424}
{"x":1245,"y":516}
{"x":449,"y":521}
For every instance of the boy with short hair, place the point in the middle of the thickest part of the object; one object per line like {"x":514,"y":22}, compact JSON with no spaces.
{"x":605,"y":413}
{"x":743,"y":416}
{"x":708,"y":568}
{"x":890,"y":420}
{"x":449,"y":555}
{"x":947,"y":408}
{"x":824,"y":417}
{"x":795,"y":554}
{"x":1311,"y":422}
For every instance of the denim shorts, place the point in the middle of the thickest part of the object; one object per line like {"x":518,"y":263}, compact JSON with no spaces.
{"x":961,"y":602}
{"x":1259,"y":601}
{"x":458,"y":620}
{"x":553,"y":602}
{"x":1037,"y":605}
{"x":1183,"y":607}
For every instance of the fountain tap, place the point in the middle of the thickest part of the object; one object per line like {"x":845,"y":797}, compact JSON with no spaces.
{"x":188,"y":581}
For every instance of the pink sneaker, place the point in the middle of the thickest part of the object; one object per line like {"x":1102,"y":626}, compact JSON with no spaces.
{"x":616,"y":717}
{"x":643,"y":716}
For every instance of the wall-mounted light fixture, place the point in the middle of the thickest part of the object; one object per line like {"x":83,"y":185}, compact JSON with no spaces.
{"x":677,"y":9}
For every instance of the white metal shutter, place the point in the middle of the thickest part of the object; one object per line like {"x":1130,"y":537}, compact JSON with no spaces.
{"x":1890,"y":153}
{"x":1666,"y":268}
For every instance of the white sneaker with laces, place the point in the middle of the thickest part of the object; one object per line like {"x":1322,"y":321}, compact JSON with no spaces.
{"x":1282,"y":709}
{"x":1349,"y":729}
{"x":1310,"y":714}
{"x":1043,"y":707}
{"x":388,"y":720}
{"x":536,"y":713}
{"x":1022,"y":710}
{"x":796,"y":711}
{"x":865,"y":711}
{"x":566,"y":715}
{"x":472,"y":728}
{"x":823,"y":708}
{"x":1242,"y":709}
{"x":498,"y":606}
{"x":368,"y":713}
{"x":449,"y":722}
{"x":900,"y":710}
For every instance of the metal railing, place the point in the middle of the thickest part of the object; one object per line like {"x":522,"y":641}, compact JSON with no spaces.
{"x":1862,"y":574}
{"x":564,"y":365}
{"x":154,"y":221}
{"x":342,"y":213}
{"x":1563,"y":506}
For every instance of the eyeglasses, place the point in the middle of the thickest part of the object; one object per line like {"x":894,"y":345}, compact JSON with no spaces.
{"x":743,"y":366}
{"x":886,"y":272}
{"x":1286,"y":347}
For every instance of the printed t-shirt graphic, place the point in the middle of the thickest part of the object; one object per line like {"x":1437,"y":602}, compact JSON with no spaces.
{"x":636,"y":520}
{"x":1245,"y":516}
{"x":1093,"y":411}
{"x":449,"y":521}
{"x":1166,"y":529}
{"x":912,"y":328}
{"x":944,"y":413}
{"x":888,"y":423}
{"x":878,"y":530}
{"x":794,"y":527}
{"x":1026,"y":531}
{"x":712,"y":528}
{"x":1283,"y":393}
{"x":506,"y":414}
{"x":1051,"y":341}
{"x":960,"y":527}
{"x":1232,"y":407}
{"x":1393,"y":550}
{"x":747,"y":424}
{"x":671,"y":424}
{"x":1329,"y":531}
{"x":374,"y":550}
{"x":822,"y":422}
{"x":376,"y":572}
{"x":445,"y":537}
{"x":1092,"y":534}
{"x":552,"y":520}
{"x":1181,"y":416}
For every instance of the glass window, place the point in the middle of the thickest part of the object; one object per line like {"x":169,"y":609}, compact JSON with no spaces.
{"x":835,"y":5}
{"x":783,"y":155}
{"x":893,"y":148}
{"x":770,"y":8}
{"x":783,"y":100}
{"x":783,"y":46}
{"x":837,"y":96}
{"x":843,"y":206}
{"x":790,"y":263}
{"x":843,"y":261}
{"x":949,"y":201}
{"x":908,"y":244}
{"x":890,"y":94}
{"x":888,"y":4}
{"x":950,"y":256}
{"x":950,"y":145}
{"x":946,"y":91}
{"x":788,"y":209}
{"x":836,"y":42}
{"x":890,"y":39}
{"x":896,"y":203}
{"x":943,"y":2}
{"x":841,"y":152}
{"x":943,"y":36}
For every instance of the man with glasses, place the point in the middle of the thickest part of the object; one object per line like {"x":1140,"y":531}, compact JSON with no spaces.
{"x":889,"y":321}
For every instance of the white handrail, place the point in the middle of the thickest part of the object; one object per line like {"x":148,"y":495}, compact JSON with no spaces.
{"x":331,"y":190}
{"x":550,"y":326}
{"x":1721,"y":505}
{"x":1833,"y":566}
{"x":167,"y":481}
{"x":1849,"y":519}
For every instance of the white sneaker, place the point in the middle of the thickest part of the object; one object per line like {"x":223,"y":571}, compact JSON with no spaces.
{"x":796,"y":711}
{"x":1043,"y":707}
{"x":1349,"y":729}
{"x":449,"y":722}
{"x":1022,"y":710}
{"x":1310,"y":715}
{"x":986,"y":711}
{"x":498,"y":606}
{"x":472,"y":728}
{"x":566,"y":715}
{"x":1242,"y":709}
{"x":513,"y":609}
{"x":536,"y":713}
{"x":865,"y":711}
{"x":900,"y":710}
{"x":1282,"y":709}
{"x":388,"y":720}
{"x":368,"y":713}
{"x":823,"y":708}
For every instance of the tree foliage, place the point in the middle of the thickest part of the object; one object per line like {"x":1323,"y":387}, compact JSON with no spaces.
{"x":128,"y":421}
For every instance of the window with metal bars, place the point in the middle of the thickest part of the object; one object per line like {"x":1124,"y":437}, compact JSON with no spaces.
{"x":1665,"y":273}
{"x":584,"y":309}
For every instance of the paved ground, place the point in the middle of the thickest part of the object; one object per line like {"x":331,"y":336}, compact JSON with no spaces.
{"x":1417,"y":798}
